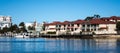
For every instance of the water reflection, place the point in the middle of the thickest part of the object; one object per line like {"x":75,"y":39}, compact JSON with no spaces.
{"x":15,"y":45}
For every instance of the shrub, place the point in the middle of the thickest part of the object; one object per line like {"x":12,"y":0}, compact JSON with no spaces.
{"x":51,"y":32}
{"x":93,"y":33}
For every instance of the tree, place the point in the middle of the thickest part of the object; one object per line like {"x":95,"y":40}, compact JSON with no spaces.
{"x":22,"y":24}
{"x":22,"y":27}
{"x":5,"y":29}
{"x":88,"y":18}
{"x":96,"y":16}
{"x":92,"y":17}
{"x":31,"y":28}
{"x":14,"y":28}
{"x":118,"y":26}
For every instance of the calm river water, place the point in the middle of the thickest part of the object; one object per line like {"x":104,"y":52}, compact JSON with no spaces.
{"x":44,"y":45}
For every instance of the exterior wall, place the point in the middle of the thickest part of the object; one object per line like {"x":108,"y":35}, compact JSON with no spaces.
{"x":1,"y":18}
{"x":118,"y":20}
{"x":77,"y":29}
{"x":102,"y":25}
{"x":110,"y":29}
{"x":62,"y":28}
{"x":51,"y":28}
{"x":28,"y":24}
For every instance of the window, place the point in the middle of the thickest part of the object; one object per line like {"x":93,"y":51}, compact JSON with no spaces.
{"x":94,"y":29}
{"x":78,"y":25}
{"x":72,"y":29}
{"x":59,"y":25}
{"x":88,"y":29}
{"x":68,"y":25}
{"x":83,"y":25}
{"x":88,"y":25}
{"x":75,"y":28}
{"x":72,"y":24}
{"x":83,"y":30}
{"x":64,"y":25}
{"x":4,"y":19}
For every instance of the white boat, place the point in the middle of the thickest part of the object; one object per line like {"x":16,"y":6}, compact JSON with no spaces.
{"x":22,"y":36}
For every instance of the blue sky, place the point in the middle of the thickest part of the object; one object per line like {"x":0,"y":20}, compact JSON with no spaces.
{"x":57,"y":10}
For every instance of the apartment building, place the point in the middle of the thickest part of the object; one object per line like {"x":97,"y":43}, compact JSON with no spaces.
{"x":113,"y":18}
{"x":98,"y":26}
{"x":65,"y":27}
{"x":5,"y":21}
{"x":94,"y":26}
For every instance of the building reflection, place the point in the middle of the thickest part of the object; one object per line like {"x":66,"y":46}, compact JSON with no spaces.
{"x":106,"y":43}
{"x":61,"y":45}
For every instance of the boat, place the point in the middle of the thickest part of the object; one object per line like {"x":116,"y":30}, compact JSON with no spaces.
{"x":22,"y":36}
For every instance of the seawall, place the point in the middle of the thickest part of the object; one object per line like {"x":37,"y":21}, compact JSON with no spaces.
{"x":106,"y":36}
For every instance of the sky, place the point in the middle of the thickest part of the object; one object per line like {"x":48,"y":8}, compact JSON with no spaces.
{"x":57,"y":10}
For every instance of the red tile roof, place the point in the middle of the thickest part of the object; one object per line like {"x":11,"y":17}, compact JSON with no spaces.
{"x":93,"y":21}
{"x":99,"y":21}
{"x":78,"y":21}
{"x":109,"y":18}
{"x":53,"y":23}
{"x":65,"y":22}
{"x":115,"y":18}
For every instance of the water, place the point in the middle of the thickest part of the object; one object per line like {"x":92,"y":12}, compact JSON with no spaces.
{"x":43,"y":45}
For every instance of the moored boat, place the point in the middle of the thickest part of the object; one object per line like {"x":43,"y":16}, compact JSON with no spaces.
{"x":22,"y":36}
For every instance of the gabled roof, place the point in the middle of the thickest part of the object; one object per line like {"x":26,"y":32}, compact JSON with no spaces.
{"x":99,"y":21}
{"x":93,"y":21}
{"x":53,"y":23}
{"x":109,"y":18}
{"x":115,"y":18}
{"x":65,"y":22}
{"x":78,"y":21}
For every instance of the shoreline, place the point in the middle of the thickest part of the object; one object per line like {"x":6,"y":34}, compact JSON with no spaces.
{"x":81,"y":36}
{"x":102,"y":36}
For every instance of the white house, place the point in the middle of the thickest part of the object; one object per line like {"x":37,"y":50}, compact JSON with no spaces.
{"x":37,"y":27}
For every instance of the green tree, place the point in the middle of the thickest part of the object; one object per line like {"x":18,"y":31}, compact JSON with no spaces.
{"x":96,"y":16}
{"x":14,"y":28}
{"x":5,"y":29}
{"x":22,"y":24}
{"x":22,"y":27}
{"x":118,"y":26}
{"x":88,"y":18}
{"x":92,"y":17}
{"x":31,"y":28}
